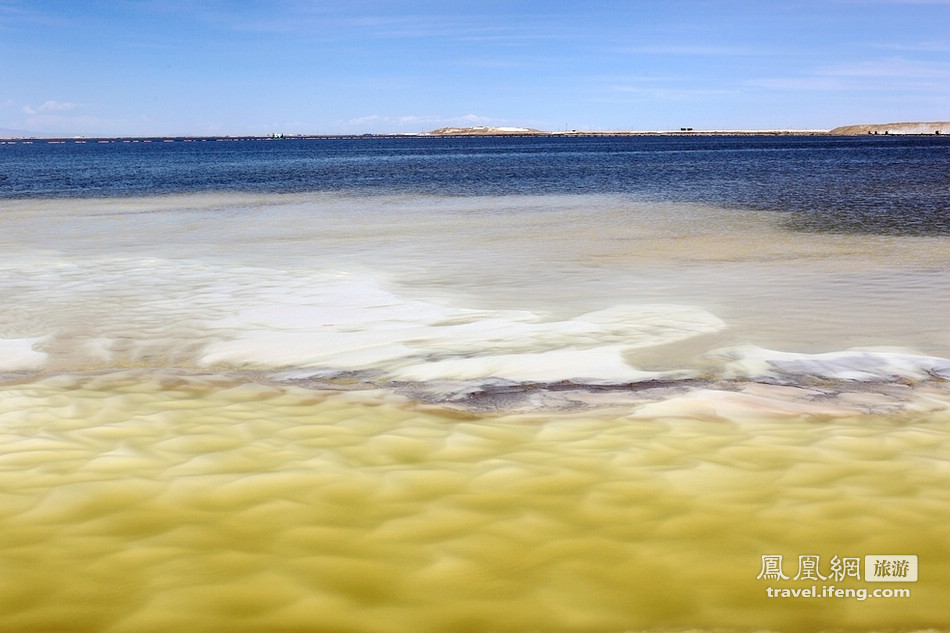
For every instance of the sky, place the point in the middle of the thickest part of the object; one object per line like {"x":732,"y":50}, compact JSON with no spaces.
{"x":214,"y":67}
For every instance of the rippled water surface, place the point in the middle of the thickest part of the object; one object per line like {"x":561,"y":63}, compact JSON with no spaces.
{"x":450,"y":388}
{"x":157,"y":502}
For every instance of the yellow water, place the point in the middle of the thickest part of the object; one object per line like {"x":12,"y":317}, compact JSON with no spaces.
{"x":157,"y":501}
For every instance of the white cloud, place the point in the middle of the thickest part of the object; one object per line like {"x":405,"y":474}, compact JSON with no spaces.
{"x":56,"y":106}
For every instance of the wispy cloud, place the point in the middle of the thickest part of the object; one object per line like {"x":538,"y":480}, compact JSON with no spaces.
{"x":54,"y":118}
{"x":416,"y":123}
{"x":873,"y":74}
{"x":919,"y":47}
{"x":656,"y":93}
{"x":866,"y":2}
{"x":10,"y":14}
{"x":871,"y":3}
{"x":50,"y":106}
{"x":465,"y":119}
{"x":895,"y":68}
{"x":55,"y":124}
{"x":695,"y":50}
{"x":369,"y":21}
{"x":796,"y":83}
{"x":14,"y":15}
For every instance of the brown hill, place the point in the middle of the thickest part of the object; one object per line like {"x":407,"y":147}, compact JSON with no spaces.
{"x":938,"y":127}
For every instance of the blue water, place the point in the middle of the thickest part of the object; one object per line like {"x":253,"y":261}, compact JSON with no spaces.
{"x":888,"y":185}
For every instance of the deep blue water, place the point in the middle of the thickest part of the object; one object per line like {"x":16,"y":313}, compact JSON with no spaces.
{"x":898,"y":185}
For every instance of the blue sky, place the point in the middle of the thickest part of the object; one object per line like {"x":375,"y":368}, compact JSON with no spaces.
{"x":169,"y":67}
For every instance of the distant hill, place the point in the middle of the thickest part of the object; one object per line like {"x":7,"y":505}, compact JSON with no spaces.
{"x":481,"y":130}
{"x":938,"y":127}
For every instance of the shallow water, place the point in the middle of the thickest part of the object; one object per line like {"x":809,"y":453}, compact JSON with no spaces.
{"x":387,"y":413}
{"x":200,"y":278}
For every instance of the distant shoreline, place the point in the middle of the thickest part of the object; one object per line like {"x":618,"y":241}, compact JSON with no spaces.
{"x":937,"y":128}
{"x":92,"y":140}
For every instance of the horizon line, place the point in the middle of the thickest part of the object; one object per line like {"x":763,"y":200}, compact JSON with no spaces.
{"x":461,"y":131}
